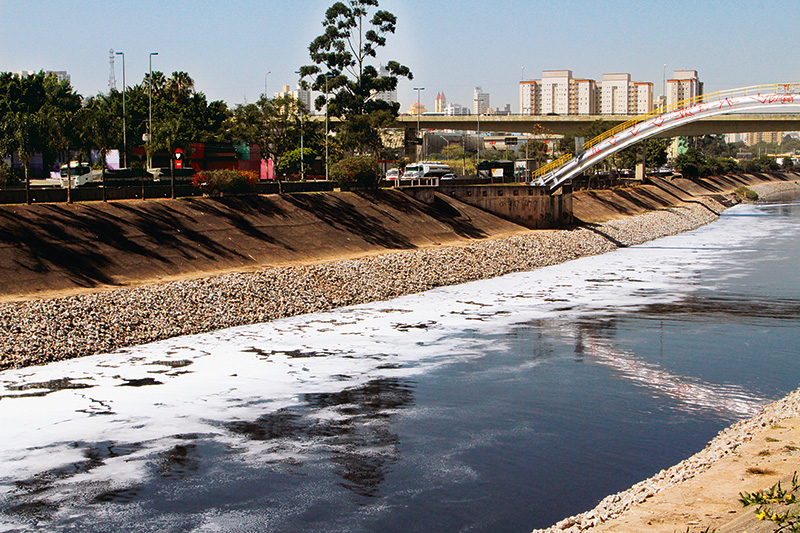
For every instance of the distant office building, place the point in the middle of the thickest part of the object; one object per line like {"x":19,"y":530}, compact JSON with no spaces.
{"x":456,"y":110}
{"x":386,"y":96}
{"x":558,"y":93}
{"x":298,"y":94}
{"x":440,"y":104}
{"x":480,"y":101}
{"x":62,"y":75}
{"x":683,"y":85}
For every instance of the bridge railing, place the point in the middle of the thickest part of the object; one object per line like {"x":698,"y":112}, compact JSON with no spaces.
{"x":776,"y":88}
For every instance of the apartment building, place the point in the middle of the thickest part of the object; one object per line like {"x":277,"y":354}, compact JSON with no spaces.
{"x":683,"y":85}
{"x":557,"y":92}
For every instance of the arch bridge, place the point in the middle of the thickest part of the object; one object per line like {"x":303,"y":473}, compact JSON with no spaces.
{"x":784,"y":97}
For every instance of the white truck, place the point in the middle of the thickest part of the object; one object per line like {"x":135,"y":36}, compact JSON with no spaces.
{"x":425,"y":173}
{"x":79,"y":174}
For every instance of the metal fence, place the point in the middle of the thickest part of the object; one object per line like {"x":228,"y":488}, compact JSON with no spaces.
{"x":17,"y":195}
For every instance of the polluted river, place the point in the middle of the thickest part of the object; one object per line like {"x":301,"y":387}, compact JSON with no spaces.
{"x":498,"y":405}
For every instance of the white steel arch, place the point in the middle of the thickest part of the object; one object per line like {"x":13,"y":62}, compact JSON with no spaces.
{"x":785,"y":97}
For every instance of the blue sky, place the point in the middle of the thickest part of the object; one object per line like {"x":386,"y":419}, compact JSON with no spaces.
{"x":229,"y":46}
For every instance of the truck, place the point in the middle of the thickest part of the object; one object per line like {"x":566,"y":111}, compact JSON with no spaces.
{"x":79,"y":174}
{"x":425,"y":173}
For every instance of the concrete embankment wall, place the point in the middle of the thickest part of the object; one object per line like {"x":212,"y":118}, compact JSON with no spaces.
{"x":56,"y":247}
{"x":659,"y":193}
{"x":532,"y":207}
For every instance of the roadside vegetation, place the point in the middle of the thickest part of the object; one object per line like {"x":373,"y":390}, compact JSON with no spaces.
{"x":41,"y":115}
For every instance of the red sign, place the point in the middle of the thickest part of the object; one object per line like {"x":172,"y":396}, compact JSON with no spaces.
{"x":178,"y":158}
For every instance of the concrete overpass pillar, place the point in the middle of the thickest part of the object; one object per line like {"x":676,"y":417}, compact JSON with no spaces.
{"x":641,"y":161}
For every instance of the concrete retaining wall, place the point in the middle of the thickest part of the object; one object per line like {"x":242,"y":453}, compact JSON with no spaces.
{"x":532,"y":207}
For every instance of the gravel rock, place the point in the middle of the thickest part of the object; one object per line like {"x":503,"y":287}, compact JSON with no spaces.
{"x":40,"y":331}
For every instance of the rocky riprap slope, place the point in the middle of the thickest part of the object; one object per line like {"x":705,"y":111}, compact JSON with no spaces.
{"x":39,"y":331}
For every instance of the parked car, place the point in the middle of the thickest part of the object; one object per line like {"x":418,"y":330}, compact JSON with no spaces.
{"x":449,"y":177}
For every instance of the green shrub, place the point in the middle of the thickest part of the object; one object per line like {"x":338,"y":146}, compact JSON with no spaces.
{"x":358,"y":171}
{"x":225,"y":181}
{"x":746,"y":194}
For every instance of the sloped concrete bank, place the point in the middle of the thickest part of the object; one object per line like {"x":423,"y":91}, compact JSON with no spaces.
{"x":43,"y":330}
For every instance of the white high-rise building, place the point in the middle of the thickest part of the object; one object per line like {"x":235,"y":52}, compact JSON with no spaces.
{"x":641,"y":98}
{"x":584,"y":101}
{"x":298,"y":94}
{"x":386,"y":96}
{"x":683,"y":85}
{"x":480,"y":101}
{"x":614,"y":94}
{"x":554,"y":99}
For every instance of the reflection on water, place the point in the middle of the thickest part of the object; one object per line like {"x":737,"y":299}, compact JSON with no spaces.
{"x":688,"y":393}
{"x":498,"y":405}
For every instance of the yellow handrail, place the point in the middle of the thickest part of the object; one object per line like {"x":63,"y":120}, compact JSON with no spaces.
{"x":776,"y":88}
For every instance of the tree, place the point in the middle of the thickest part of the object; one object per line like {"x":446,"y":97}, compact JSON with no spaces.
{"x":567,"y":143}
{"x":341,"y":56}
{"x":27,"y":105}
{"x":102,"y":128}
{"x":272,"y":124}
{"x":179,"y":87}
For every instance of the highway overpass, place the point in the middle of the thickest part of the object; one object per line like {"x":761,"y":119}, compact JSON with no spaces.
{"x":563,"y":124}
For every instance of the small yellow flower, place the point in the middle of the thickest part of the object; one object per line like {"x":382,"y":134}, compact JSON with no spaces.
{"x":762,"y":515}
{"x":774,"y":516}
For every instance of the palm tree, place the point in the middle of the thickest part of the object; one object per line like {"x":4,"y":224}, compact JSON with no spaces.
{"x":102,"y":128}
{"x":23,"y":132}
{"x":179,"y":87}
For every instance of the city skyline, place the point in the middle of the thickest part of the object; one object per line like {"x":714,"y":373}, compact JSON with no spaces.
{"x":234,"y":50}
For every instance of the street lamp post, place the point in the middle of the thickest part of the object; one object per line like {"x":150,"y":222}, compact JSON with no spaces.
{"x":265,"y":84}
{"x":302,"y":114}
{"x":124,"y":127}
{"x":418,"y":89}
{"x":478,"y":110}
{"x":150,"y":114}
{"x":327,"y":77}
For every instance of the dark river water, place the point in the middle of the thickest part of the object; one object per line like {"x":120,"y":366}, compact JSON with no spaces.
{"x":500,"y":405}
